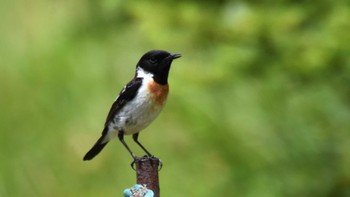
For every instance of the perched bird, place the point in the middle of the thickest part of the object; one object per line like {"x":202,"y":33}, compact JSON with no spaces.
{"x":139,"y":103}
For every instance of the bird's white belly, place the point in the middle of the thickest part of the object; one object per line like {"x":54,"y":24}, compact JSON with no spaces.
{"x":136,"y":115}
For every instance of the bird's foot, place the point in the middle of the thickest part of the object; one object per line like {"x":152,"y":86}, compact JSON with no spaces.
{"x":160,"y":165}
{"x":134,"y":161}
{"x":151,"y":158}
{"x":133,"y":165}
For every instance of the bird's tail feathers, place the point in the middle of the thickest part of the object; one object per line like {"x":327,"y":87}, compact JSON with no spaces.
{"x":99,"y":145}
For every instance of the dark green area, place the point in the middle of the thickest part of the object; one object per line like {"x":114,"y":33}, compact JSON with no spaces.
{"x":259,"y":103}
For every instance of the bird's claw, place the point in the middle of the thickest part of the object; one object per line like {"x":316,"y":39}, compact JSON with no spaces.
{"x":160,"y":165}
{"x":147,"y":156}
{"x":160,"y":161}
{"x":133,"y":165}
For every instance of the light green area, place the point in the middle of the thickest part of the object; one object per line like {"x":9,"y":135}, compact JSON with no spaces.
{"x":259,"y":103}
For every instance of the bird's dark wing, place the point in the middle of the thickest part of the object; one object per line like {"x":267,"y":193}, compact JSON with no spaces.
{"x":127,"y":94}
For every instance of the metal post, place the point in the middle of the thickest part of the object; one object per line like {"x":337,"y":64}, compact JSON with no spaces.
{"x":147,"y":173}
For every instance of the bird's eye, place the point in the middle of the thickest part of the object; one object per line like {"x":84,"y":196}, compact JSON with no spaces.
{"x":153,"y":60}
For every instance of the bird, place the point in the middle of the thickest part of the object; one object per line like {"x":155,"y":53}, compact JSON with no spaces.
{"x":139,"y":102}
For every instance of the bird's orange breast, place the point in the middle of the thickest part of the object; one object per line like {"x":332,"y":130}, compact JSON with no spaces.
{"x":158,"y":92}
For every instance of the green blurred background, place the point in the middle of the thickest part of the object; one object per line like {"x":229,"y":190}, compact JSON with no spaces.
{"x":259,"y":102}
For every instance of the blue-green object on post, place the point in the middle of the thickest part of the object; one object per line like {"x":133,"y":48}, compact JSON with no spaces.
{"x":138,"y":191}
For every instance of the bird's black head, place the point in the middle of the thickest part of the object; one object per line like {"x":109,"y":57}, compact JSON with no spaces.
{"x":157,"y":62}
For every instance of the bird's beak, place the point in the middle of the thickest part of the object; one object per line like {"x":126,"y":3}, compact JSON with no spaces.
{"x":175,"y":55}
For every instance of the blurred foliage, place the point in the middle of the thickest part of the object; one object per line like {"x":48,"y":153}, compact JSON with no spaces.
{"x":259,"y":102}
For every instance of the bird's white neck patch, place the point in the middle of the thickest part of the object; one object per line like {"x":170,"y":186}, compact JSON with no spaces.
{"x":140,"y":73}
